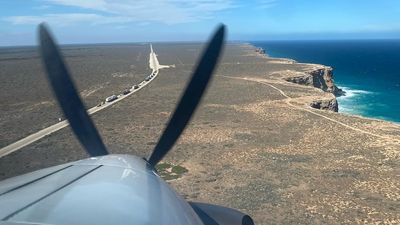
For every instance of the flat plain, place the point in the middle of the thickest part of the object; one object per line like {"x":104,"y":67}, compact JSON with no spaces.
{"x":254,"y":143}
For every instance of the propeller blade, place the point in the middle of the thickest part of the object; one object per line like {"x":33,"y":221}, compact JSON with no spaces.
{"x":67,"y":96}
{"x":191,"y":97}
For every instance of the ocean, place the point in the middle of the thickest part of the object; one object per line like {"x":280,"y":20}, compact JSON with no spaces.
{"x":368,"y":70}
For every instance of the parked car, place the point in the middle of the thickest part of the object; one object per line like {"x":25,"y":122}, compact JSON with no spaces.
{"x":126,"y":92}
{"x":135,"y":87}
{"x":111,"y":98}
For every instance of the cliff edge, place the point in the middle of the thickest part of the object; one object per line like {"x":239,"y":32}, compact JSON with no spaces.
{"x":314,"y":75}
{"x":321,"y":78}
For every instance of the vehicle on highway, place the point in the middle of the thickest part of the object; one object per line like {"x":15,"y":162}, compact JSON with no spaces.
{"x":111,"y":98}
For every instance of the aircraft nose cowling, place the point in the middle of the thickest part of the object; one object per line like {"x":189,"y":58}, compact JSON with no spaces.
{"x":113,"y":189}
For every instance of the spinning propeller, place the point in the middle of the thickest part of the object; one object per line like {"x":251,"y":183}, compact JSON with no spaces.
{"x":82,"y":125}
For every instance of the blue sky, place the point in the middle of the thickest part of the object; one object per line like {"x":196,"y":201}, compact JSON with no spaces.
{"x":107,"y":21}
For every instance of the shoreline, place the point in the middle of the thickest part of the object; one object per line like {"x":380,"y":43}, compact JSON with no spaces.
{"x":292,"y":61}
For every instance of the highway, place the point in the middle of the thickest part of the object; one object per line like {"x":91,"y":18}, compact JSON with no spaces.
{"x":154,"y":66}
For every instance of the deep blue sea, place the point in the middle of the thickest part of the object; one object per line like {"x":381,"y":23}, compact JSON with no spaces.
{"x":368,"y":70}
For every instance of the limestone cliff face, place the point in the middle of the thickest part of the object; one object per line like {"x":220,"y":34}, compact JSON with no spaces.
{"x":328,"y":104}
{"x":321,"y":77}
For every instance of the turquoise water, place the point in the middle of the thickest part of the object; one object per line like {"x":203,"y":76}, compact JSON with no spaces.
{"x":368,"y":70}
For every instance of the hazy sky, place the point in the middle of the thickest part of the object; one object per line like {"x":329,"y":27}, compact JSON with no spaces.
{"x":97,"y":21}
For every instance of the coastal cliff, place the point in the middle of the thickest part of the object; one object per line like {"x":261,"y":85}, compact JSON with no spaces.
{"x":321,"y":78}
{"x":327,"y":104}
{"x":314,"y":75}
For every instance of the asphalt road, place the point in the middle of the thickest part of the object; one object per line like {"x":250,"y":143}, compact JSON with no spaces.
{"x":153,"y":64}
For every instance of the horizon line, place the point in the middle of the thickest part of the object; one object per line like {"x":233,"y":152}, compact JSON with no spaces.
{"x":231,"y":41}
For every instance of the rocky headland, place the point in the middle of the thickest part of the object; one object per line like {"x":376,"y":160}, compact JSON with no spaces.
{"x":318,"y":76}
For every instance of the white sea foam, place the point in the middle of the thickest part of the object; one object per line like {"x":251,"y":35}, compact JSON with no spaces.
{"x":350,"y":102}
{"x":353,"y":92}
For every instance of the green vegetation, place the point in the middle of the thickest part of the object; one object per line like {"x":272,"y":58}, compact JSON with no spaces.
{"x":170,"y":172}
{"x":179,"y":170}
